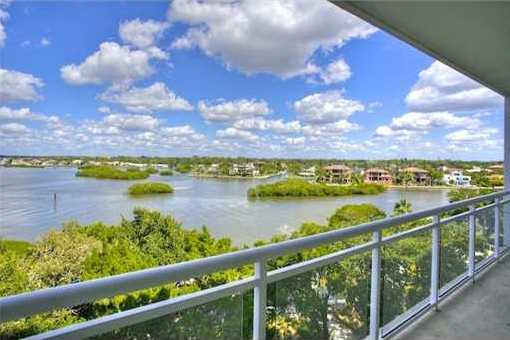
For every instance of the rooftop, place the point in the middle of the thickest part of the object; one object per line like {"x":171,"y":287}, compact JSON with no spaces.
{"x":337,"y":167}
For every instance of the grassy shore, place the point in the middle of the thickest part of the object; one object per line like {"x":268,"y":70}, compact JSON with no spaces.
{"x":109,"y":172}
{"x":15,"y":246}
{"x":301,"y":188}
{"x":150,"y":188}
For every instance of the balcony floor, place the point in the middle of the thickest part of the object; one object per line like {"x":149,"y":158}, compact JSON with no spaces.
{"x":479,"y":311}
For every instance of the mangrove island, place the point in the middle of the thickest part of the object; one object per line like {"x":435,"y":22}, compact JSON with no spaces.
{"x":110,"y":172}
{"x":302,"y":188}
{"x":150,"y":188}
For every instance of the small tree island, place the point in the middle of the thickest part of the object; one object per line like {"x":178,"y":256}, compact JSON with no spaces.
{"x":150,"y":188}
{"x":302,"y":188}
{"x":110,"y":172}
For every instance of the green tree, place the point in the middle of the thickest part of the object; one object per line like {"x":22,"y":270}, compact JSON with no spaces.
{"x":402,"y":207}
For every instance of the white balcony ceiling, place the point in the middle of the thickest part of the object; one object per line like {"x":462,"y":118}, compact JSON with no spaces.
{"x":472,"y":37}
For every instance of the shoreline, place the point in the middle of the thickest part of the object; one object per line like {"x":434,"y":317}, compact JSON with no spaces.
{"x":234,"y":177}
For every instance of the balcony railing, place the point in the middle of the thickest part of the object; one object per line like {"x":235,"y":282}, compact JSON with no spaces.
{"x":484,"y":210}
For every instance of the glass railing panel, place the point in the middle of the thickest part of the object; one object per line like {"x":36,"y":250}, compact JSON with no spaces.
{"x":503,"y":208}
{"x":332,"y":302}
{"x":405,"y":279}
{"x":454,"y":250}
{"x":220,"y":319}
{"x":485,"y":235}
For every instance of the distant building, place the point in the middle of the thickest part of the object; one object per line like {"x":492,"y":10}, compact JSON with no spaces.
{"x":338,"y":173}
{"x":496,"y":168}
{"x":443,"y":168}
{"x":22,"y":162}
{"x":475,"y":169}
{"x":213,"y":169}
{"x":130,"y":165}
{"x":420,"y":176}
{"x":308,"y":173}
{"x":446,"y":169}
{"x":377,"y":175}
{"x":244,"y":170}
{"x":49,"y":163}
{"x":457,"y":178}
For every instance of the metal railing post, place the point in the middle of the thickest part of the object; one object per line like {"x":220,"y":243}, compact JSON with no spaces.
{"x":496,"y":228}
{"x":260,"y":301}
{"x":472,"y":237}
{"x":375,"y":287}
{"x":435,"y":263}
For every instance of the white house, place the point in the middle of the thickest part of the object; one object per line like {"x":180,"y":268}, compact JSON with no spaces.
{"x":247,"y":169}
{"x":457,"y":178}
{"x":310,"y":172}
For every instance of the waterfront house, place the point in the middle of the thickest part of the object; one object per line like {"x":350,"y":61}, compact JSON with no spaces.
{"x":308,"y":173}
{"x":213,"y":169}
{"x":377,"y":175}
{"x":418,"y":176}
{"x":338,"y":173}
{"x":457,"y":178}
{"x":244,"y":170}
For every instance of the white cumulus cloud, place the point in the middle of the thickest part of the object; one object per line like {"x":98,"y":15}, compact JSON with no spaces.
{"x":14,"y":129}
{"x":142,"y":34}
{"x":273,"y":125}
{"x":440,"y":88}
{"x":16,"y":86}
{"x":233,"y":133}
{"x":297,"y":141}
{"x":326,"y":107}
{"x":112,"y":63}
{"x":276,"y":37}
{"x":337,"y":71}
{"x":131,"y":122}
{"x":427,"y":121}
{"x":156,"y":97}
{"x":7,"y":113}
{"x":336,"y":128}
{"x":184,"y":130}
{"x":224,"y":111}
{"x":465,"y":135}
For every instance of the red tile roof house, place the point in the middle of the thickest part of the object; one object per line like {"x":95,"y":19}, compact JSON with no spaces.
{"x":338,"y":173}
{"x":378,"y":176}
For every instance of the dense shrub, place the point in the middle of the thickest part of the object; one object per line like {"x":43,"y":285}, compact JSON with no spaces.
{"x":110,"y":172}
{"x":150,"y":188}
{"x":301,"y":188}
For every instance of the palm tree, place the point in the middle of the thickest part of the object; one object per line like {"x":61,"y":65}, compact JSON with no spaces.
{"x":402,"y":207}
{"x":356,"y":179}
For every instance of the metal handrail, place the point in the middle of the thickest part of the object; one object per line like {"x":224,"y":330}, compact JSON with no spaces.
{"x":31,"y":303}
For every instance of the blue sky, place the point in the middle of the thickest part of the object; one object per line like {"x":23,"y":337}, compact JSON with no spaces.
{"x":264,"y":79}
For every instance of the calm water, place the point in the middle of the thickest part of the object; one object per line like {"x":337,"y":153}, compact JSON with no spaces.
{"x":27,"y":209}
